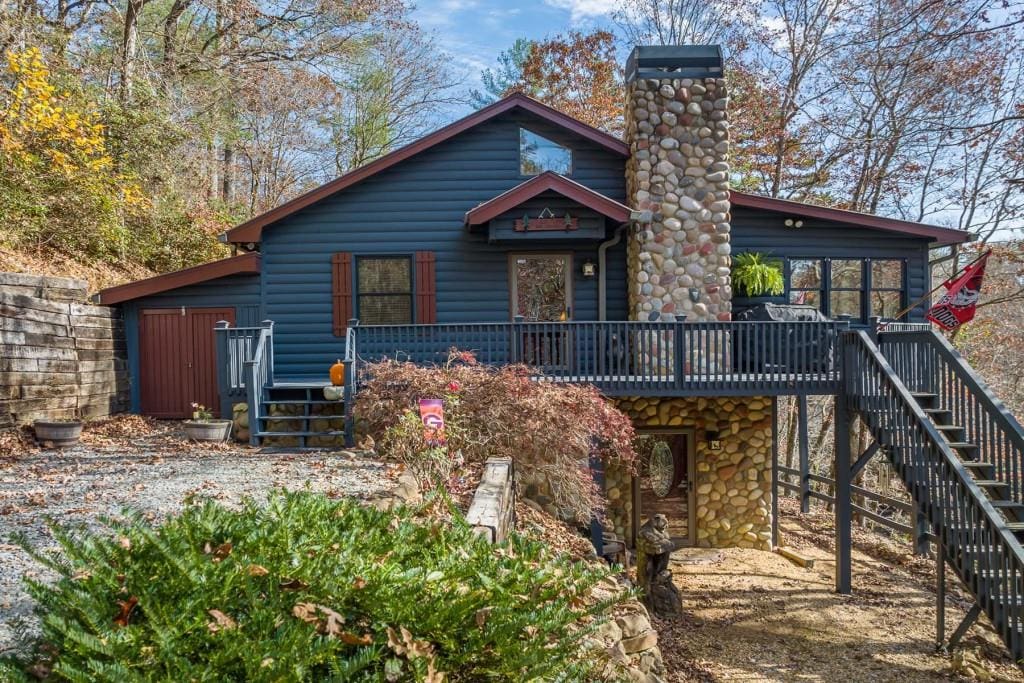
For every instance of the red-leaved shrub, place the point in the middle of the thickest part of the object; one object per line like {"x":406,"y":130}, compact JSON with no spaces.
{"x":547,"y":429}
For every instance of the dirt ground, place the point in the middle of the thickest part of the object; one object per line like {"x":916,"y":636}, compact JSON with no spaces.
{"x":146,"y":466}
{"x":755,"y":616}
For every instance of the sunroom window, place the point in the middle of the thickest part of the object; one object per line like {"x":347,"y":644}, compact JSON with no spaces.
{"x":538,"y":154}
{"x":858,"y":288}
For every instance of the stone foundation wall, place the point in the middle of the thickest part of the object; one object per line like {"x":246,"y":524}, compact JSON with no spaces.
{"x":336,"y":423}
{"x":732,"y":485}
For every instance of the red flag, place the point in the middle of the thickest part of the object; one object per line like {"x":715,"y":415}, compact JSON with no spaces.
{"x":958,"y":304}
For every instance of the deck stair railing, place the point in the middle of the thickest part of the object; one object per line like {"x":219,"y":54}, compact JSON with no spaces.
{"x":623,"y":358}
{"x":927,"y":363}
{"x":954,"y":491}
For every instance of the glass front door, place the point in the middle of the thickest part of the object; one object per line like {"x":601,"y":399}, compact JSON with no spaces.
{"x":541,"y":286}
{"x":664,"y":484}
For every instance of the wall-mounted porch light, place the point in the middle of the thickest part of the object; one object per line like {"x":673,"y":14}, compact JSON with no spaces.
{"x":794,"y":223}
{"x":589,"y":269}
{"x":714,"y":440}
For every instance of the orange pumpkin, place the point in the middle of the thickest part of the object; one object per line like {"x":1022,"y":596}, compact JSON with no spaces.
{"x":338,"y":374}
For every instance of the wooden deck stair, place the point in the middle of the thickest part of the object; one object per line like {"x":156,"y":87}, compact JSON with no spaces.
{"x":963,"y":486}
{"x":296,"y":415}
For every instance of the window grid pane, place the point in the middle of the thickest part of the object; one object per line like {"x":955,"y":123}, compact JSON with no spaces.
{"x":385,"y":290}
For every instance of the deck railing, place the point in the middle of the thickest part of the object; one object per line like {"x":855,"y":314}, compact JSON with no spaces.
{"x":245,"y":364}
{"x":927,"y":362}
{"x":631,"y":358}
{"x":972,"y":534}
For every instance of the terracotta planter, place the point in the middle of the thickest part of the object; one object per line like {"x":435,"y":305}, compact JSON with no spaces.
{"x":59,"y":434}
{"x":214,"y":430}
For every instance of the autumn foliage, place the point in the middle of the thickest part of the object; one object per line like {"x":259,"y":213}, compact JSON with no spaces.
{"x":496,"y":412}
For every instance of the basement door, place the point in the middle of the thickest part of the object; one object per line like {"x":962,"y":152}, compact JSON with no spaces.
{"x":665,"y":483}
{"x":178,"y":360}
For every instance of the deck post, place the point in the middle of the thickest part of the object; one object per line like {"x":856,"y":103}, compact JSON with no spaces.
{"x":516,"y":343}
{"x":269,"y":324}
{"x":596,"y":528}
{"x":775,"y":472}
{"x":349,"y":392}
{"x":921,"y":529}
{"x":220,"y":337}
{"x":805,"y":459}
{"x":843,"y":498}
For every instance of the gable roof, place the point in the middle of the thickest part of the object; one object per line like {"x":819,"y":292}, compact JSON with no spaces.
{"x":251,"y":230}
{"x":940,"y":235}
{"x":545,"y":182}
{"x":236,"y":265}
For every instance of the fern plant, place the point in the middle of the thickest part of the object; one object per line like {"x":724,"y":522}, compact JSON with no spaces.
{"x":754,"y":276}
{"x":304,"y":588}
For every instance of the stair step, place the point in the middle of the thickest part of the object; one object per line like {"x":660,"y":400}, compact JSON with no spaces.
{"x":1006,"y":504}
{"x":334,"y":433}
{"x":918,"y":395}
{"x":948,"y":428}
{"x":970,"y":464}
{"x":1015,"y":527}
{"x":962,"y":445}
{"x":300,"y":401}
{"x":991,"y":484}
{"x":301,"y":417}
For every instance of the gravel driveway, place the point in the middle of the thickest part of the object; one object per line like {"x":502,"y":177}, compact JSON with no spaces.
{"x":153,"y":473}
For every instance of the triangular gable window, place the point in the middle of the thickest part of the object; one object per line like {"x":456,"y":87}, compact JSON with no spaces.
{"x":538,"y":154}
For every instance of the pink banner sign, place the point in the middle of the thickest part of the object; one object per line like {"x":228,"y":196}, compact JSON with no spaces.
{"x":432,"y":415}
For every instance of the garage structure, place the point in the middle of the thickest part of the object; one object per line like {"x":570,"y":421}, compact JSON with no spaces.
{"x":169,"y":323}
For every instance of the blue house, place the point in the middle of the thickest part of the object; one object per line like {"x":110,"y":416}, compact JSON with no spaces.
{"x":529,"y":237}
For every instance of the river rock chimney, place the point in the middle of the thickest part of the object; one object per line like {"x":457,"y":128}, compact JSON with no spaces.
{"x":677,"y":129}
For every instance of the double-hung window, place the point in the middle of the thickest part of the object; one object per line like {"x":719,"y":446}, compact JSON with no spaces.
{"x":384,"y":290}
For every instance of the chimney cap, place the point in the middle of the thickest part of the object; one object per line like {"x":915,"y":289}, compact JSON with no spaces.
{"x":674,"y":61}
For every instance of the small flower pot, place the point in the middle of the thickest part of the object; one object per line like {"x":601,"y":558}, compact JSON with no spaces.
{"x":57,"y":434}
{"x":212,"y":430}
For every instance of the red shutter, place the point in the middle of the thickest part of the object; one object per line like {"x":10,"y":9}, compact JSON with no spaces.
{"x":341,"y":291}
{"x":426,"y":292}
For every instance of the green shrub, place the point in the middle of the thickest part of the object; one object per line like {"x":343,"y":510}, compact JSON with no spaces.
{"x":307,"y":589}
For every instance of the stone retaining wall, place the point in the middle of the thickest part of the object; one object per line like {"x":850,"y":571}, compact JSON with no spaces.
{"x":492,"y":512}
{"x":60,"y":358}
{"x":732,"y":486}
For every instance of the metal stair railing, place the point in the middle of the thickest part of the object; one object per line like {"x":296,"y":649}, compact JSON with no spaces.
{"x":973,"y":535}
{"x":927,"y":362}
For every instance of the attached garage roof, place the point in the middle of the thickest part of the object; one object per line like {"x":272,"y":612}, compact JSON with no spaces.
{"x":236,"y":265}
{"x":547,"y":181}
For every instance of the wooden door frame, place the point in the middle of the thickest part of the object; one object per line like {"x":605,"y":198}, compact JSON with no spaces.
{"x":691,"y":471}
{"x":513,"y":287}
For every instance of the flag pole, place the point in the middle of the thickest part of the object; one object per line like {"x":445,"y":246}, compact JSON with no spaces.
{"x":942,"y":284}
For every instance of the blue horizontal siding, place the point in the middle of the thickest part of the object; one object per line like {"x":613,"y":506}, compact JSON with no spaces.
{"x":765,"y":232}
{"x":419,"y":205}
{"x":242,"y":292}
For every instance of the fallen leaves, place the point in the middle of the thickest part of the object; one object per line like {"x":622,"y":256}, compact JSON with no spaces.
{"x":292,"y":584}
{"x":329,"y":623}
{"x":257,"y":570}
{"x":221,"y":621}
{"x":127,"y":608}
{"x":220,"y":552}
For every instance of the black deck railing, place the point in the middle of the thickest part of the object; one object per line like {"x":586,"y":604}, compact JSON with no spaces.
{"x":926,"y":362}
{"x":972,"y":534}
{"x":631,"y":358}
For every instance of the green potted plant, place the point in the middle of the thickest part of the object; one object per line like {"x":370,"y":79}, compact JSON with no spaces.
{"x":753,"y":275}
{"x":202,"y":426}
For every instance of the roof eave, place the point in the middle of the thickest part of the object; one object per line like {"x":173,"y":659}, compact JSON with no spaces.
{"x":251,"y":230}
{"x":235,"y":265}
{"x":547,"y":182}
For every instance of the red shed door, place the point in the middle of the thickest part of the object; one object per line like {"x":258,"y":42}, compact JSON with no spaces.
{"x":178,"y":359}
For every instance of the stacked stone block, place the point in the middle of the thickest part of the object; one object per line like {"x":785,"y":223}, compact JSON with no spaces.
{"x":678,"y":133}
{"x":60,"y":358}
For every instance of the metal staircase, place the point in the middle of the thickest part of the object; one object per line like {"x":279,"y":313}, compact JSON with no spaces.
{"x":954,"y":446}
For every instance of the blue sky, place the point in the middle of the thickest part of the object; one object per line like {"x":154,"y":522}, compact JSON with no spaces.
{"x":475,"y":32}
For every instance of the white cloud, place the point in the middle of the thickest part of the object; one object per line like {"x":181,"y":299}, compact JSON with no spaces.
{"x":583,"y":9}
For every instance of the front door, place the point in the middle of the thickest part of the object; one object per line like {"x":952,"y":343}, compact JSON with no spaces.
{"x":178,"y":360}
{"x":665,"y":483}
{"x":541,"y":289}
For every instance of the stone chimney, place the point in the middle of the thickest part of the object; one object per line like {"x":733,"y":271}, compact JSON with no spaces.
{"x":677,"y":128}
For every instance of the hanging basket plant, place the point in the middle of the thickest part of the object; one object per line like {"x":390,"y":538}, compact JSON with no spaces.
{"x":753,"y":275}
